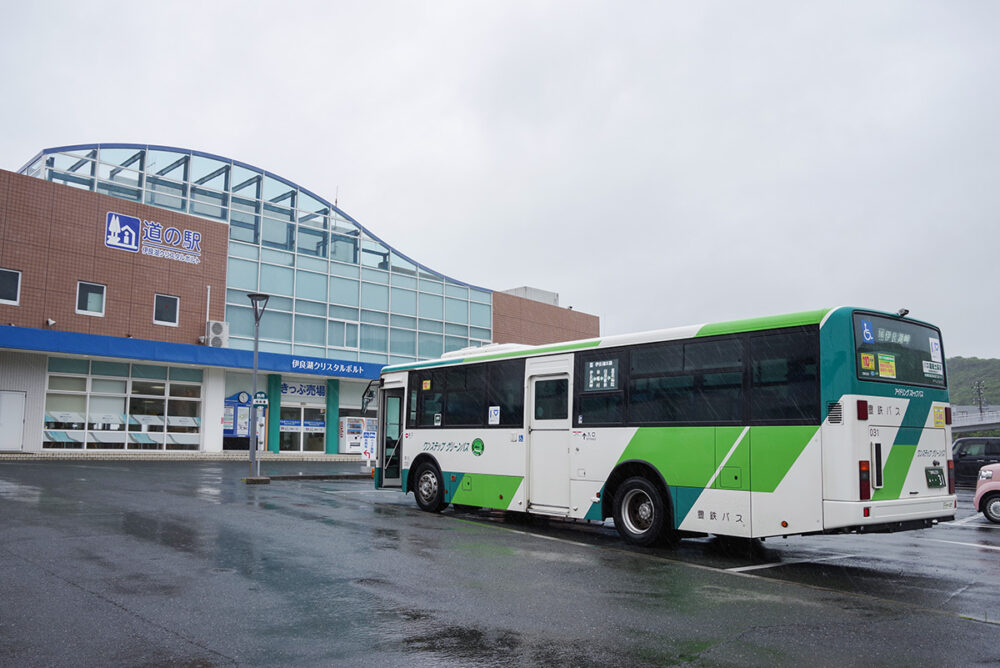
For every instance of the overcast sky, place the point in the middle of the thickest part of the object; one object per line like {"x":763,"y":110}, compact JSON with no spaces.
{"x":656,"y":164}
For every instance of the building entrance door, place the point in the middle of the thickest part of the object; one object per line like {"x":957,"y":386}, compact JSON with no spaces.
{"x":11,"y":420}
{"x":303,"y":429}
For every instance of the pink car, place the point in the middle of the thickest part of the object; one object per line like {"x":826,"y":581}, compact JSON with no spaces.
{"x":987,"y":498}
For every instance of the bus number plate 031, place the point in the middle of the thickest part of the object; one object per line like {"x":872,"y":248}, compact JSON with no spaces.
{"x":935,"y":476}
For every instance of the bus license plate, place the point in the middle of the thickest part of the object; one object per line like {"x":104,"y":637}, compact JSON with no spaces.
{"x":935,"y":476}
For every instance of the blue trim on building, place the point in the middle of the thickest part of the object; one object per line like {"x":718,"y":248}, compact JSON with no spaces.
{"x":292,"y":184}
{"x":95,"y":345}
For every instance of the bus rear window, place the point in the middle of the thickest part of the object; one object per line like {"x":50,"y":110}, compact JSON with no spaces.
{"x":897,"y":351}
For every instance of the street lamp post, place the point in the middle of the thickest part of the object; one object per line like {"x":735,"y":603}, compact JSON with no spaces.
{"x":259,"y":302}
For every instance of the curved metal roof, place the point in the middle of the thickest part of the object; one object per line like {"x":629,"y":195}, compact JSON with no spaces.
{"x":92,"y":152}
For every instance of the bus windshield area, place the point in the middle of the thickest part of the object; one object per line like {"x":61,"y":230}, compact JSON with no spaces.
{"x":898,"y":351}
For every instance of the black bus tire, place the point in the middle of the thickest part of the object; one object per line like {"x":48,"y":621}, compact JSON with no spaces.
{"x":640,"y":512}
{"x":428,"y":488}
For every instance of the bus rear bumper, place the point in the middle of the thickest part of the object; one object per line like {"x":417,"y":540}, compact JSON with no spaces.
{"x":885,"y":516}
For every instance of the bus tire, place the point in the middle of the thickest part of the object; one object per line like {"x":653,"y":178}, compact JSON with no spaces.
{"x":991,"y":507}
{"x":428,"y":489}
{"x":639,"y":512}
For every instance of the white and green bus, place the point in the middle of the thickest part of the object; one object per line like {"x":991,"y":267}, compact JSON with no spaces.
{"x":825,"y":421}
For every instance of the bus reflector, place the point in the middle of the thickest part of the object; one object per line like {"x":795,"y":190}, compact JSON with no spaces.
{"x":947,"y":414}
{"x":868,"y":511}
{"x":951,"y":474}
{"x":862,"y":409}
{"x":865,"y":479}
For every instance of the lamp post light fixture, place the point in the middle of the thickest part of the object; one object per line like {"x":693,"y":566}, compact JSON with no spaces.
{"x":259,"y":303}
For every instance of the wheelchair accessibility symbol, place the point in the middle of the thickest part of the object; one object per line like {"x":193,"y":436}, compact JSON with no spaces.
{"x":866,"y":331}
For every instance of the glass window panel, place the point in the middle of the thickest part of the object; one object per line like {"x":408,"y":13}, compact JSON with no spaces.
{"x":480,"y":315}
{"x":402,"y":265}
{"x":551,"y":399}
{"x":456,"y":310}
{"x":120,"y":175}
{"x":312,"y":242}
{"x":375,"y":296}
{"x":242,"y":274}
{"x":244,"y":227}
{"x":69,"y":383}
{"x":244,"y":251}
{"x":374,"y":339}
{"x":277,"y":234}
{"x":403,"y":321}
{"x":278,"y":191}
{"x":403,"y":282}
{"x":185,"y":390}
{"x":109,"y":369}
{"x":90,"y":298}
{"x":402,"y":342}
{"x":374,"y":358}
{"x":276,"y":325}
{"x":718,"y":354}
{"x":106,"y":413}
{"x":434,"y":287}
{"x":431,"y":306}
{"x":129,"y":193}
{"x":240,"y":320}
{"x":344,"y":312}
{"x":279,"y":303}
{"x":457,"y":291}
{"x":310,"y":285}
{"x":343,"y":291}
{"x":71,"y":163}
{"x":505,"y":388}
{"x":784,"y":378}
{"x":375,"y":276}
{"x":375,"y":317}
{"x":454,"y":343}
{"x":477,"y":333}
{"x":480,"y":296}
{"x":183,"y":373}
{"x":311,"y":263}
{"x":311,"y":308}
{"x":404,"y":301}
{"x":374,"y":254}
{"x":431,"y":345}
{"x":246,"y":182}
{"x":67,"y":365}
{"x":277,"y":257}
{"x":348,"y":270}
{"x":166,"y":163}
{"x":209,"y":173}
{"x":278,"y":212}
{"x":350,"y":335}
{"x":430,"y":325}
{"x":149,"y":371}
{"x":335,"y":333}
{"x":149,"y":387}
{"x":276,"y":280}
{"x":209,"y":204}
{"x":456,"y":330}
{"x":310,"y":330}
{"x":166,"y":309}
{"x":123,"y":157}
{"x":344,"y":249}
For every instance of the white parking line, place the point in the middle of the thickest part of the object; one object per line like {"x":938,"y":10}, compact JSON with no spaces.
{"x":971,"y":522}
{"x":955,"y":542}
{"x":757,"y":567}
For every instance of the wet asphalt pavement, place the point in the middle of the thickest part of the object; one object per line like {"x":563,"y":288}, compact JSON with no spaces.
{"x":182,"y":564}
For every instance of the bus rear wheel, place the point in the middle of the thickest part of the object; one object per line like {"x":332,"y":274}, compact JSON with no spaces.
{"x":429,"y":488}
{"x":639,"y":512}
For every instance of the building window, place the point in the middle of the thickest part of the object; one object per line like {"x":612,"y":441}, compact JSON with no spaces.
{"x":90,"y":298}
{"x":10,"y":286}
{"x":166,"y":310}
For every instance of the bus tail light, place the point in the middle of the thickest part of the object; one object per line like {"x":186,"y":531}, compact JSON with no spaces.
{"x":951,"y":474}
{"x":862,"y":409}
{"x":865,"y":479}
{"x":947,"y":414}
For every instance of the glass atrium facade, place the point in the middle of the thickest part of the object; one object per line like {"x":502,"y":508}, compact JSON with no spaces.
{"x":337,"y":291}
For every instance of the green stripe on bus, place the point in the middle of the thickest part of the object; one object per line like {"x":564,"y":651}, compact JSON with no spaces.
{"x":768,"y":322}
{"x":894,"y":472}
{"x":481,"y":489}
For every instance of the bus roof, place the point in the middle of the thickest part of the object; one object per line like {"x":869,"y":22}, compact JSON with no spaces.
{"x":509,"y":351}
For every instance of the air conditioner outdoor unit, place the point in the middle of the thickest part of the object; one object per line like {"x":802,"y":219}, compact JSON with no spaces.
{"x":217,"y":334}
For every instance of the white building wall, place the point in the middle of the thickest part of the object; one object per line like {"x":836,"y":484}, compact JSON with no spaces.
{"x":24,"y":372}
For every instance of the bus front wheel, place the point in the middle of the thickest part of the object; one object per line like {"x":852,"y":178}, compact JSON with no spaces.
{"x":639,"y":512}
{"x":429,"y":488}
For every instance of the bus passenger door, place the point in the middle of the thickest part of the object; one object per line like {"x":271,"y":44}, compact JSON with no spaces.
{"x":390,"y":445}
{"x":549,"y":391}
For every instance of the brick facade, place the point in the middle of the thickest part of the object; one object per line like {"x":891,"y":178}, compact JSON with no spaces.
{"x":54,"y":235}
{"x":520,"y":320}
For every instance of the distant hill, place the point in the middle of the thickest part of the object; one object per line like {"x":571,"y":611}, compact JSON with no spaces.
{"x":964,"y":371}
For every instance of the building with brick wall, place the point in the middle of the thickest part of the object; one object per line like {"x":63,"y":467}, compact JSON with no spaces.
{"x":125,"y":322}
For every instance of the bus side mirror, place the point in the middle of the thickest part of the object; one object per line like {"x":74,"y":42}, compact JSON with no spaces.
{"x":368,"y":396}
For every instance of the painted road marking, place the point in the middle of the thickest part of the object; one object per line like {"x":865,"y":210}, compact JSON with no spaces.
{"x":757,"y":567}
{"x":955,"y":542}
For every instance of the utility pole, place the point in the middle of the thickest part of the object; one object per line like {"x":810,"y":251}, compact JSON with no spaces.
{"x":979,"y":387}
